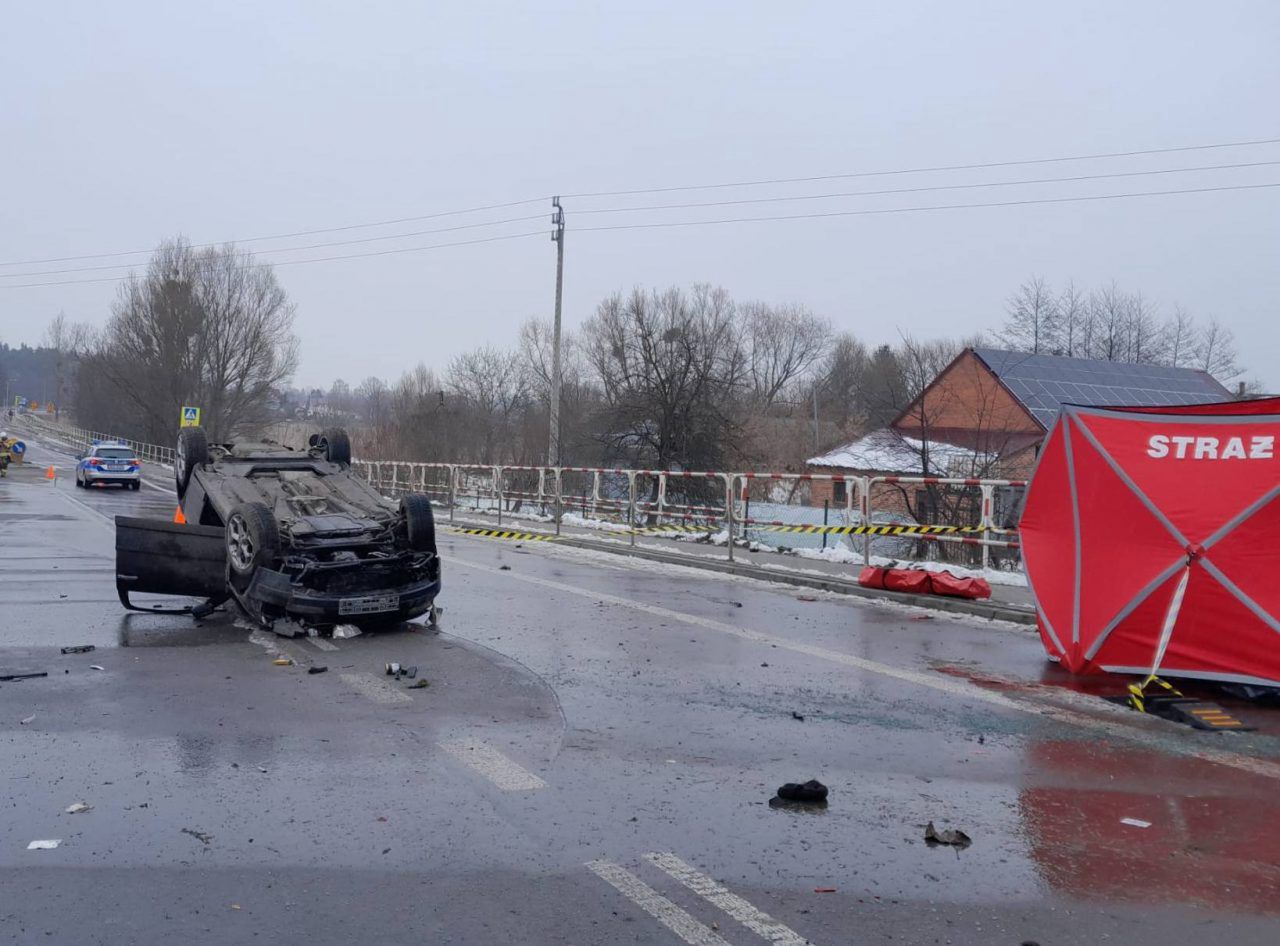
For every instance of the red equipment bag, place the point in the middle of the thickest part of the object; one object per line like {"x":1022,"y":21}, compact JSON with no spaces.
{"x":945,"y":583}
{"x":919,"y":581}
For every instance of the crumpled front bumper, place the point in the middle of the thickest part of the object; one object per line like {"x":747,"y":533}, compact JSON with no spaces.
{"x":275,"y":591}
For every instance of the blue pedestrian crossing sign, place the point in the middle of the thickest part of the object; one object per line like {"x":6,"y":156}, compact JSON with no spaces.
{"x":190,"y":417}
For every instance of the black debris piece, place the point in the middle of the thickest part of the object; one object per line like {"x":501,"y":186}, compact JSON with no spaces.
{"x":317,"y":669}
{"x":78,"y":649}
{"x":799,"y":716}
{"x":11,"y":674}
{"x":810,"y":792}
{"x":952,"y":836}
{"x":201,"y":836}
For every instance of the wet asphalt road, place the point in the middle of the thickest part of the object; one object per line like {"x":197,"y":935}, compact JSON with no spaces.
{"x":597,"y":744}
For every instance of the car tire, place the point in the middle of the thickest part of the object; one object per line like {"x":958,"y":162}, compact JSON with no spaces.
{"x":336,"y":445}
{"x":79,"y":482}
{"x":419,"y":522}
{"x":253,"y":542}
{"x":192,"y":451}
{"x":135,"y":485}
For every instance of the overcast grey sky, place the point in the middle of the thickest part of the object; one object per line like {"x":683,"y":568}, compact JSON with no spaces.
{"x":129,"y":122}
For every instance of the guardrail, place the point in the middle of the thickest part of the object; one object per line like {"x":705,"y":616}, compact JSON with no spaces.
{"x":82,"y":439}
{"x":733,"y":509}
{"x":728,"y":508}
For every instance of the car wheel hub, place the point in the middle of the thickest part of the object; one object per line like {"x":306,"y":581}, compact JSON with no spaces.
{"x":239,"y":544}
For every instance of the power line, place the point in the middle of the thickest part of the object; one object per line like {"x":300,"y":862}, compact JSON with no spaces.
{"x":298,"y":262}
{"x":924,"y":170}
{"x":281,"y":236}
{"x":685,"y":206}
{"x":907,"y":210}
{"x":931,"y":187}
{"x":655,"y":190}
{"x":289,"y":249}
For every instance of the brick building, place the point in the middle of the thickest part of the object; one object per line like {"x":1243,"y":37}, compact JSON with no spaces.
{"x":987,"y":412}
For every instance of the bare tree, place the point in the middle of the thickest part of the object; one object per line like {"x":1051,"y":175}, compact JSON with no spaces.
{"x":1217,"y":351}
{"x":782,"y":345}
{"x":1146,"y":342}
{"x":209,"y":327}
{"x":1032,"y":322}
{"x":1182,"y":340}
{"x":493,"y":385}
{"x":1073,"y":321}
{"x":670,"y":367}
{"x":69,"y":341}
{"x":1109,"y":309}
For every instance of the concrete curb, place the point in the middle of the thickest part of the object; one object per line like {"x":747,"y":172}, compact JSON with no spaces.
{"x":983,"y":609}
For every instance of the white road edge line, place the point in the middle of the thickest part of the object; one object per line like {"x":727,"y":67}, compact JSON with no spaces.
{"x":742,"y":910}
{"x":951,"y":687}
{"x":372,"y":688}
{"x":686,"y":926}
{"x":493,"y":765}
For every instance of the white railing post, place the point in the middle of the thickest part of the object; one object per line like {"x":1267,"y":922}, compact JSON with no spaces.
{"x":631,"y":503}
{"x":559,"y":498}
{"x":729,"y":481}
{"x":497,"y":490}
{"x":988,"y":493}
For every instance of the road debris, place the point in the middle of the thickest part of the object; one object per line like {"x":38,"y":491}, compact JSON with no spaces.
{"x":797,"y":716}
{"x":808,"y":599}
{"x":76,"y":807}
{"x":419,"y":684}
{"x":44,"y":845}
{"x":824,"y":889}
{"x":78,"y":649}
{"x":317,"y":669}
{"x":28,"y":719}
{"x":345,"y":631}
{"x":398,"y":670}
{"x":504,"y":568}
{"x":952,"y":836}
{"x":22,"y":674}
{"x":1135,"y":822}
{"x":201,"y":836}
{"x":811,"y":792}
{"x":96,"y":667}
{"x":283,"y":662}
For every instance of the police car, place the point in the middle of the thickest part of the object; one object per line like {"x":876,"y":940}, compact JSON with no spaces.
{"x":109,"y":463}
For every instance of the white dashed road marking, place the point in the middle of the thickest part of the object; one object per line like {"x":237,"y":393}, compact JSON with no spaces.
{"x":372,"y":688}
{"x":942,"y":684}
{"x":740,"y":909}
{"x":687,"y":927}
{"x":319,"y":643}
{"x":493,"y":765}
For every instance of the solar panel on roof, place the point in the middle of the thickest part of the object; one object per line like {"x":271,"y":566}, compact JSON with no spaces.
{"x":1043,"y":383}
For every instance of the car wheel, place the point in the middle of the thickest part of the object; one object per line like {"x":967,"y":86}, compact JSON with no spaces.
{"x":336,"y":445}
{"x":253,"y":542}
{"x":79,"y":482}
{"x":135,"y":485}
{"x":419,"y":522}
{"x":192,"y":451}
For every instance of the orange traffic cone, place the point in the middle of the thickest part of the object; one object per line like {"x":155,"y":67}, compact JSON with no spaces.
{"x":51,"y":474}
{"x":178,"y":517}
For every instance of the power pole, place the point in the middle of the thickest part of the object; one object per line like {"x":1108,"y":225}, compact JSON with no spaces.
{"x":557,"y":235}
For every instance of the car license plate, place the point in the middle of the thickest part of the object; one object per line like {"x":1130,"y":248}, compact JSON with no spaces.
{"x":116,"y":467}
{"x":370,"y":604}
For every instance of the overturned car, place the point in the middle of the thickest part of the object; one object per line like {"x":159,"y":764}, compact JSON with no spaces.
{"x":286,"y":533}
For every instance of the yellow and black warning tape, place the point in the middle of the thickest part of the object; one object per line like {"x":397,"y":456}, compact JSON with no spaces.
{"x":660,"y":530}
{"x":506,"y":534}
{"x":875,"y":530}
